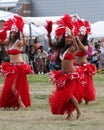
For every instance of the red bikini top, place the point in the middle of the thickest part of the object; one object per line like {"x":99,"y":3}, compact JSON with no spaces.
{"x":68,"y":56}
{"x":80,"y":53}
{"x":13,"y":52}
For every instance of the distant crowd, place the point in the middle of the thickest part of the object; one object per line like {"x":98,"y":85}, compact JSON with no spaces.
{"x":43,"y":61}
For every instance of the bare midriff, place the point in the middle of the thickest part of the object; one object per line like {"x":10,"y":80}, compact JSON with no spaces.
{"x":81,"y":60}
{"x":67,"y":66}
{"x":16,"y":58}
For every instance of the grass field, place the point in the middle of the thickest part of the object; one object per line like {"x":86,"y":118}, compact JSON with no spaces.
{"x":39,"y":117}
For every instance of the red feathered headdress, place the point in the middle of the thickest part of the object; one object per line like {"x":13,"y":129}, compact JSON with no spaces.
{"x":65,"y":25}
{"x":76,"y":27}
{"x":60,"y":30}
{"x":88,"y":26}
{"x":13,"y":24}
{"x":84,"y":27}
{"x":66,"y":21}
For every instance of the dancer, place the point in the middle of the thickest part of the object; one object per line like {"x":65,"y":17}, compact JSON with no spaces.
{"x":68,"y":92}
{"x":15,"y":91}
{"x":81,"y":60}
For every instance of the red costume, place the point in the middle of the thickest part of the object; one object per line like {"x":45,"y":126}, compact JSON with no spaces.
{"x":15,"y":75}
{"x":67,"y":85}
{"x":89,"y":70}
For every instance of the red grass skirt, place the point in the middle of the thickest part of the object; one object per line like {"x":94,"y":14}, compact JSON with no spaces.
{"x":18,"y":73}
{"x":89,"y":89}
{"x":67,"y":85}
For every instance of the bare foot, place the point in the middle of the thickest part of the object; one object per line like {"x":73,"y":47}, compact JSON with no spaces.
{"x":69,"y":116}
{"x":78,"y":115}
{"x":21,"y":107}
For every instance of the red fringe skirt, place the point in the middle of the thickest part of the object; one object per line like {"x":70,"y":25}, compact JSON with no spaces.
{"x":15,"y":73}
{"x":89,"y":89}
{"x":67,"y":85}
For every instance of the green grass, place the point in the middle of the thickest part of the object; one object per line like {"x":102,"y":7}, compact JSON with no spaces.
{"x":39,"y":117}
{"x":38,"y":78}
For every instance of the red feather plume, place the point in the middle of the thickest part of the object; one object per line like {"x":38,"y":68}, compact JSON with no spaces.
{"x":66,"y":21}
{"x":7,"y":25}
{"x":76,"y":27}
{"x":19,"y":22}
{"x":80,"y":22}
{"x":88,"y":26}
{"x":49,"y":26}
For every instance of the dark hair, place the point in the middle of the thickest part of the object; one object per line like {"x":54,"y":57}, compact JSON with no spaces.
{"x":61,"y":51}
{"x":17,"y":36}
{"x":57,"y":46}
{"x":65,"y":48}
{"x":61,"y":47}
{"x":85,"y":41}
{"x":60,"y":43}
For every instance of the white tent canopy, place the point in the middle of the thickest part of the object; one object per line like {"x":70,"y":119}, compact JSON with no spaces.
{"x":6,"y":15}
{"x":35,"y":31}
{"x":97,"y":29}
{"x":40,"y":21}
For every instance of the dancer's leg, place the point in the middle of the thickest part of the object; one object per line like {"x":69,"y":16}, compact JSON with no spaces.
{"x":75,"y":102}
{"x":15,"y":92}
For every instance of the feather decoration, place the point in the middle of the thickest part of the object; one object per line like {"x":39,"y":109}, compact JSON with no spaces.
{"x":66,"y":21}
{"x":19,"y":22}
{"x":8,"y":24}
{"x":88,"y":27}
{"x":75,"y":27}
{"x":49,"y":26}
{"x":60,"y":31}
